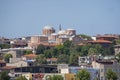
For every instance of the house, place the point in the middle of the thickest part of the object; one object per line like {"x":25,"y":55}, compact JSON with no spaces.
{"x":106,"y":37}
{"x":29,"y":56}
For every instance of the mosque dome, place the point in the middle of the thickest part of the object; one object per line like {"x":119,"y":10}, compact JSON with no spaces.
{"x":47,"y":30}
{"x":48,"y":27}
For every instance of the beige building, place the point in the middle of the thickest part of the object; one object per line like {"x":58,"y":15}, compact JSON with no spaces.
{"x":61,"y":39}
{"x":104,"y":65}
{"x":53,"y":36}
{"x":47,"y":30}
{"x":36,"y":40}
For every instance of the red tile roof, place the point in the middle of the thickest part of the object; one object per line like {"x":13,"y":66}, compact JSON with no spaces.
{"x":107,"y":36}
{"x":100,"y":41}
{"x":30,"y":55}
{"x":9,"y":67}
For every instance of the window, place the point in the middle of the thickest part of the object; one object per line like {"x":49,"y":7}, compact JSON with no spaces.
{"x":101,"y":70}
{"x":101,"y":78}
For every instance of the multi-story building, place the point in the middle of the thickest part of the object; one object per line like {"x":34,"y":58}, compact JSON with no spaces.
{"x":104,"y":43}
{"x":104,"y":65}
{"x":106,"y":37}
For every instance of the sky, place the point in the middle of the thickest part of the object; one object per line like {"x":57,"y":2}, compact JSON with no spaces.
{"x":20,"y":18}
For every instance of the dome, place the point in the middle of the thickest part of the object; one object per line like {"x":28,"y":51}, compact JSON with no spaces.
{"x":70,"y":29}
{"x":48,"y":27}
{"x":47,"y":30}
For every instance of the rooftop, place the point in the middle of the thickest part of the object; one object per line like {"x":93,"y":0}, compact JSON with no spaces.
{"x":105,"y":61}
{"x":106,"y":36}
{"x":30,"y":55}
{"x":100,"y":41}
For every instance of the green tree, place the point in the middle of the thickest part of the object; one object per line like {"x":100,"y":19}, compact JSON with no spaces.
{"x":40,"y":59}
{"x":66,"y":51}
{"x":92,"y":51}
{"x":117,"y":41}
{"x":54,"y":52}
{"x":60,"y":49}
{"x":40,"y":49}
{"x":110,"y":75}
{"x":109,"y":51}
{"x":21,"y":78}
{"x":98,"y":48}
{"x":4,"y":76}
{"x":7,"y":57}
{"x":67,"y":43}
{"x":55,"y":77}
{"x":63,"y":58}
{"x":78,"y":48}
{"x":85,"y":37}
{"x":48,"y":53}
{"x":83,"y":75}
{"x":84,"y":50}
{"x":73,"y":60}
{"x":4,"y":46}
{"x":27,"y":52}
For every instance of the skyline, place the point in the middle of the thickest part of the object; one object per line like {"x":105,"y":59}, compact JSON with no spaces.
{"x":28,"y":17}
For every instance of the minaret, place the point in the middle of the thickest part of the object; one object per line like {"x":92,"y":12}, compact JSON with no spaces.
{"x":60,"y":27}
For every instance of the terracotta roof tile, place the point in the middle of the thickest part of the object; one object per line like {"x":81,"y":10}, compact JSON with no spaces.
{"x":107,"y":36}
{"x":100,"y":41}
{"x":30,"y":55}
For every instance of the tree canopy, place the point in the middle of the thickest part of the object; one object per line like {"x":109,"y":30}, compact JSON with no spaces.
{"x":4,"y":75}
{"x":55,"y":77}
{"x":40,"y":49}
{"x":110,"y":75}
{"x":85,"y":36}
{"x":40,"y":59}
{"x":21,"y":78}
{"x":7,"y":57}
{"x":4,"y":46}
{"x":83,"y":75}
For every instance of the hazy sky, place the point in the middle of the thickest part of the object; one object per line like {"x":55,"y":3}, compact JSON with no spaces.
{"x":28,"y":17}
